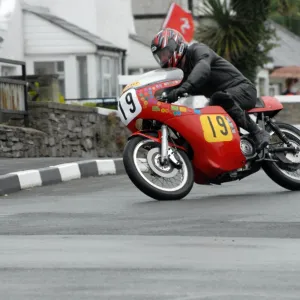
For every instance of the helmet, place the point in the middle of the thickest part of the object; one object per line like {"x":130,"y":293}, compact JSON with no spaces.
{"x":168,"y":47}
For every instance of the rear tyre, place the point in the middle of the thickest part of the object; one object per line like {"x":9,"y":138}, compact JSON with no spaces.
{"x":280,"y":174}
{"x":151,"y":163}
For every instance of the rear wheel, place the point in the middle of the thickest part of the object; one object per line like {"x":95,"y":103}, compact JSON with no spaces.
{"x":141,"y":160}
{"x":285,"y":175}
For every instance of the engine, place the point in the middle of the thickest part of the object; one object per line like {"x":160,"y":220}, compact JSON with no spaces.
{"x":247,"y":147}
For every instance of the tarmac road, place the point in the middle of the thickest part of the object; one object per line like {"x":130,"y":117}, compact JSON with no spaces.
{"x":101,"y":238}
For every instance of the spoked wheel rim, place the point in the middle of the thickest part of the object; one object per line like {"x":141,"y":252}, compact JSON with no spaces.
{"x":294,"y":138}
{"x":150,"y":163}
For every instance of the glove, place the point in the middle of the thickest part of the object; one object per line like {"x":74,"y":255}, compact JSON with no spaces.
{"x":174,"y":94}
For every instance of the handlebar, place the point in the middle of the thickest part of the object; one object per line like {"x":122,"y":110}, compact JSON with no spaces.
{"x":163,"y":97}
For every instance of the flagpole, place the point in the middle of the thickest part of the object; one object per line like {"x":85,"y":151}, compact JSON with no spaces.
{"x":179,"y":19}
{"x":168,"y":15}
{"x":190,"y":6}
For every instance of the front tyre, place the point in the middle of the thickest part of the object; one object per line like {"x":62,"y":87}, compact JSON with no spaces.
{"x":285,"y":176}
{"x":141,"y":157}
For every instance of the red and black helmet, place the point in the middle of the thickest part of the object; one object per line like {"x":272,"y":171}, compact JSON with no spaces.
{"x":168,"y":47}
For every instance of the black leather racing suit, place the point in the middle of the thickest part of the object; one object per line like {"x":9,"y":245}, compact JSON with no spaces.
{"x":208,"y":74}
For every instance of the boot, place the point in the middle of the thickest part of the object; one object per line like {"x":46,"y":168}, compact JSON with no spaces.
{"x":242,"y":119}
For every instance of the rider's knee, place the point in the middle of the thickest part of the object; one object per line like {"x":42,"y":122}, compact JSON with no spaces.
{"x":222,"y":99}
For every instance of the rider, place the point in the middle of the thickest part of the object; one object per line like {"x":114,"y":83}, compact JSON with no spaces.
{"x":208,"y":74}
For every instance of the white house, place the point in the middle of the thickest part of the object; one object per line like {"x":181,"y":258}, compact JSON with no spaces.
{"x":140,"y":58}
{"x":88,"y":46}
{"x":87,"y":65}
{"x":11,"y":32}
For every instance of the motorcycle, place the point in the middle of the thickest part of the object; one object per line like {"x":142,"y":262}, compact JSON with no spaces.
{"x":173,"y":146}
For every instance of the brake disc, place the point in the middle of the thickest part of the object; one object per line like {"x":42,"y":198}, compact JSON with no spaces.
{"x":165,"y":171}
{"x":289,"y":161}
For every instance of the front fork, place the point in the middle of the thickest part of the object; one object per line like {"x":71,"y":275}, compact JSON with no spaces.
{"x":166,"y":152}
{"x":164,"y":145}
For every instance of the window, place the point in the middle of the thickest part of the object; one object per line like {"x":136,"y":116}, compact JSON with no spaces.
{"x":107,"y":76}
{"x":134,"y":71}
{"x":82,"y":76}
{"x":148,"y":70}
{"x":52,"y":67}
{"x":8,"y":71}
{"x":139,"y":71}
{"x":274,"y":90}
{"x":107,"y":82}
{"x":261,"y":87}
{"x":60,"y":66}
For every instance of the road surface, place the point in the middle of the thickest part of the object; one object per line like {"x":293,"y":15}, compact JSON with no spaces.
{"x":101,"y":238}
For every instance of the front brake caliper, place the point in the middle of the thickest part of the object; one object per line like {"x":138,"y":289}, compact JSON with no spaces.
{"x":174,"y":158}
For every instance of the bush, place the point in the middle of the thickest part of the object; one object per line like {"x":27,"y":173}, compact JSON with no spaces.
{"x":93,"y":104}
{"x":90,"y":104}
{"x":110,"y":106}
{"x":61,"y":99}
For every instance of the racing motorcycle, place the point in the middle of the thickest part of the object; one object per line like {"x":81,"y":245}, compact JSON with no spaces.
{"x":173,"y":146}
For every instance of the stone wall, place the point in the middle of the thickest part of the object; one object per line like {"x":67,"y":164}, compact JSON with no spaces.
{"x":290,"y":113}
{"x":76,"y":131}
{"x":21,"y":142}
{"x":62,"y":130}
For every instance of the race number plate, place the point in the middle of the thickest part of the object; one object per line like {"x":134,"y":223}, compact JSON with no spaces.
{"x":129,"y":106}
{"x":216,"y":128}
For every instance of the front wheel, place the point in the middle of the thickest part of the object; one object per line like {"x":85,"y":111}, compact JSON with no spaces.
{"x":141,"y":160}
{"x":285,"y":176}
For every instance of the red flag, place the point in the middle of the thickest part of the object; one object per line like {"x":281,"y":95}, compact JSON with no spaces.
{"x":180,"y":20}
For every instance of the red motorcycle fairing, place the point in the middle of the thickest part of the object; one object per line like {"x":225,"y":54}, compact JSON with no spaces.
{"x":268,"y":105}
{"x":214,"y":139}
{"x":210,"y":131}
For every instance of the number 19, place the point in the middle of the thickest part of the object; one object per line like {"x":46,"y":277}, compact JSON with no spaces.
{"x":129,"y":101}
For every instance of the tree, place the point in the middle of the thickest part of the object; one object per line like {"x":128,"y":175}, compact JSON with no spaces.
{"x":239,"y":32}
{"x":286,"y":15}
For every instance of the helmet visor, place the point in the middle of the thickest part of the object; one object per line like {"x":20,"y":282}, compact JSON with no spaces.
{"x":162,"y":56}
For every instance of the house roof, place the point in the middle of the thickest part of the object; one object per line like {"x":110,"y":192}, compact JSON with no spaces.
{"x":139,"y":39}
{"x":286,"y":72}
{"x":148,"y":27}
{"x":80,"y":32}
{"x":287,"y":52}
{"x":140,"y":7}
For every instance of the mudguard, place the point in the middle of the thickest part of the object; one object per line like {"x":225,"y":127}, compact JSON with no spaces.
{"x":155,"y":136}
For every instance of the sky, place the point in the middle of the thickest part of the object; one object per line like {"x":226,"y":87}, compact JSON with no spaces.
{"x":6,"y":10}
